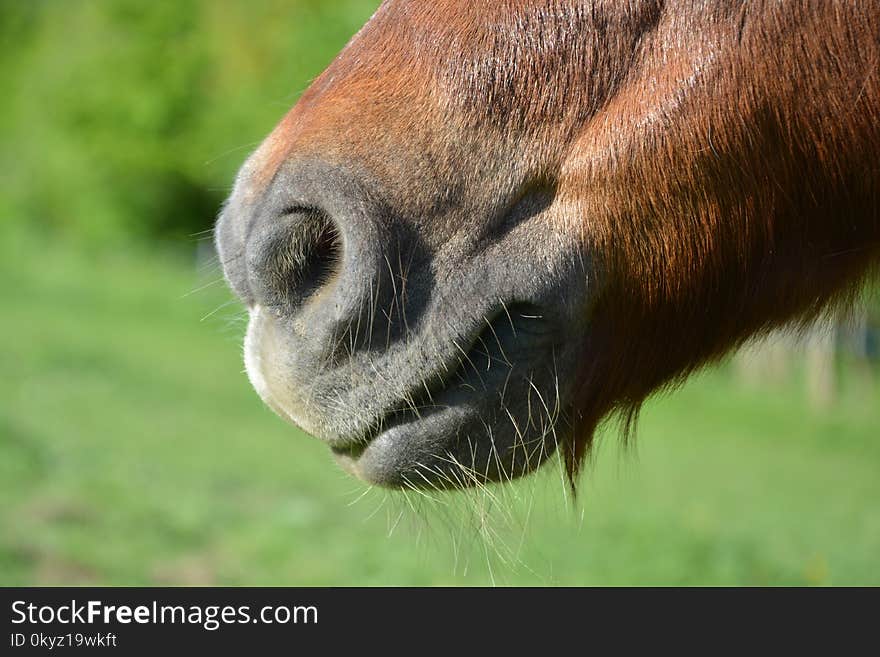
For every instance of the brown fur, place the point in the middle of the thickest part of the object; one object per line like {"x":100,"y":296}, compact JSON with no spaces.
{"x":751,"y":203}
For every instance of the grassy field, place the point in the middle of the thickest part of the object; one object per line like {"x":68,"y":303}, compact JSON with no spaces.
{"x":132,"y":451}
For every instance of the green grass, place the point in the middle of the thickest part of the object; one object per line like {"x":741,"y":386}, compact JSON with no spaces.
{"x":132,"y":451}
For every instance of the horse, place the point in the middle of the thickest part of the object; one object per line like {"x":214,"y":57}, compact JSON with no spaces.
{"x":490,"y":225}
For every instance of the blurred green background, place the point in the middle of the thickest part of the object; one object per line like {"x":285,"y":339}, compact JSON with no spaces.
{"x":133,"y":451}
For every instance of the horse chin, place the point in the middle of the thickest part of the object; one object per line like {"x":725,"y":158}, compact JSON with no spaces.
{"x":462,"y":440}
{"x":437,"y":453}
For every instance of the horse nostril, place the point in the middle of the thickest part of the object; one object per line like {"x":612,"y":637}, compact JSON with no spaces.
{"x":294,"y":257}
{"x":316,"y":249}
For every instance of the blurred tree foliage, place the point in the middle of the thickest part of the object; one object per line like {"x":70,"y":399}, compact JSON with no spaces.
{"x":125,"y":118}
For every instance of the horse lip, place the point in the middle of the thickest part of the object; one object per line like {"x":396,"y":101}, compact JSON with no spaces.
{"x":424,"y":393}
